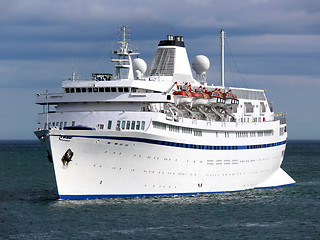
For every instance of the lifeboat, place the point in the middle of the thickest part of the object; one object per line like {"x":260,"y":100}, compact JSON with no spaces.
{"x":216,"y":98}
{"x":200,"y":98}
{"x":182,"y":96}
{"x":230,"y":98}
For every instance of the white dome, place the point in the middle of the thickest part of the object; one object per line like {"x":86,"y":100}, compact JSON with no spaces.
{"x":200,"y":64}
{"x":139,"y":64}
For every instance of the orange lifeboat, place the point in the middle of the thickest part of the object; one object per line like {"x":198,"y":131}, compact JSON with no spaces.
{"x":200,"y":98}
{"x":183,"y":96}
{"x":230,"y":98}
{"x":216,"y":98}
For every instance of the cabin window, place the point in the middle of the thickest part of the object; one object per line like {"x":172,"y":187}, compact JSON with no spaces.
{"x":107,"y":89}
{"x":84,"y":90}
{"x":95,"y":89}
{"x":133,"y":124}
{"x":248,"y":107}
{"x":187,"y":130}
{"x":113,"y":89}
{"x":109,"y":124}
{"x":100,"y":126}
{"x":263,"y":107}
{"x":61,"y":125}
{"x":73,"y":123}
{"x":123,"y":124}
{"x":120,"y":89}
{"x":197,"y":133}
{"x":143,"y":123}
{"x":65,"y":124}
{"x":72,"y":90}
{"x":174,"y":128}
{"x":118,"y":125}
{"x":126,"y":89}
{"x":128,"y":125}
{"x":89,"y":89}
{"x":49,"y":125}
{"x":159,"y":125}
{"x":138,"y":125}
{"x":45,"y":126}
{"x":78,"y":90}
{"x":67,"y":90}
{"x":101,"y":89}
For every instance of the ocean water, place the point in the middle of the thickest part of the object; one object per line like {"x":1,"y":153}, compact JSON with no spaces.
{"x":30,"y":209}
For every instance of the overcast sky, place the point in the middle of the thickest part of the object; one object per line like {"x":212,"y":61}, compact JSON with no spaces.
{"x":275,"y":45}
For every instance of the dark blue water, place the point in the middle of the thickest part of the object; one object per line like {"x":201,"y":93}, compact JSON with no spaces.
{"x":29,"y":208}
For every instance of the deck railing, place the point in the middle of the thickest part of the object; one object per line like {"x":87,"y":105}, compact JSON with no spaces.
{"x":281,"y":116}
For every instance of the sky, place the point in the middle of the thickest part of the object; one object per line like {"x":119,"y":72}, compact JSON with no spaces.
{"x":270,"y":44}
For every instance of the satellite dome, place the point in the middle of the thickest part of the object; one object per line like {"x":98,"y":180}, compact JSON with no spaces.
{"x":200,"y":64}
{"x":139,"y":64}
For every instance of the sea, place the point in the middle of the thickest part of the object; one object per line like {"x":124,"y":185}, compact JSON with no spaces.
{"x":30,"y":209}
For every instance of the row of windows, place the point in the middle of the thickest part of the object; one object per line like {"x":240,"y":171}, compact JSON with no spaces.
{"x":125,"y":125}
{"x":254,"y":134}
{"x":173,"y":128}
{"x":121,"y":125}
{"x":130,"y":125}
{"x":59,"y":125}
{"x":255,"y":119}
{"x":96,"y":89}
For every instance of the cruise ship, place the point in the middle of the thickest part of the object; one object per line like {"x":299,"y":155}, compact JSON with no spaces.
{"x":158,"y":131}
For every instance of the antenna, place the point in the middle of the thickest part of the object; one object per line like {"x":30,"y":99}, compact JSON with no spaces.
{"x":222,"y":57}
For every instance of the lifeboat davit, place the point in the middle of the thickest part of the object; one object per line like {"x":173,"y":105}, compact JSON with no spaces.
{"x":216,"y":98}
{"x":230,"y":98}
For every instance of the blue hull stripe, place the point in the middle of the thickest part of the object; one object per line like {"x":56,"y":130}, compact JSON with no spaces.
{"x":181,"y":145}
{"x":100,"y":196}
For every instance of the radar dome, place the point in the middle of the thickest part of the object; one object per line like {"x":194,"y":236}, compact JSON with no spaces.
{"x":139,"y":64}
{"x":200,"y":64}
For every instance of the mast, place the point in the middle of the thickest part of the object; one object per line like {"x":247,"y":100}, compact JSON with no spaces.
{"x":123,"y":60}
{"x":222,"y":57}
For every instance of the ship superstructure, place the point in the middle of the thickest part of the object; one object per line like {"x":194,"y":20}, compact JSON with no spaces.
{"x":156,"y":130}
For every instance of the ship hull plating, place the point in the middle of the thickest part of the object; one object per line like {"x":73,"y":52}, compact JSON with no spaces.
{"x":117,"y":165}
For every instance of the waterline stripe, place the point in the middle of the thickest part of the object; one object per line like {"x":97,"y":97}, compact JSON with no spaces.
{"x":180,"y":145}
{"x":100,"y":196}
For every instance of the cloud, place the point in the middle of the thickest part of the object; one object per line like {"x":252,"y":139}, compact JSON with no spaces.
{"x":275,"y":44}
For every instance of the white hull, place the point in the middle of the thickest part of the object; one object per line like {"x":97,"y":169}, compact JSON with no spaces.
{"x":119,"y":164}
